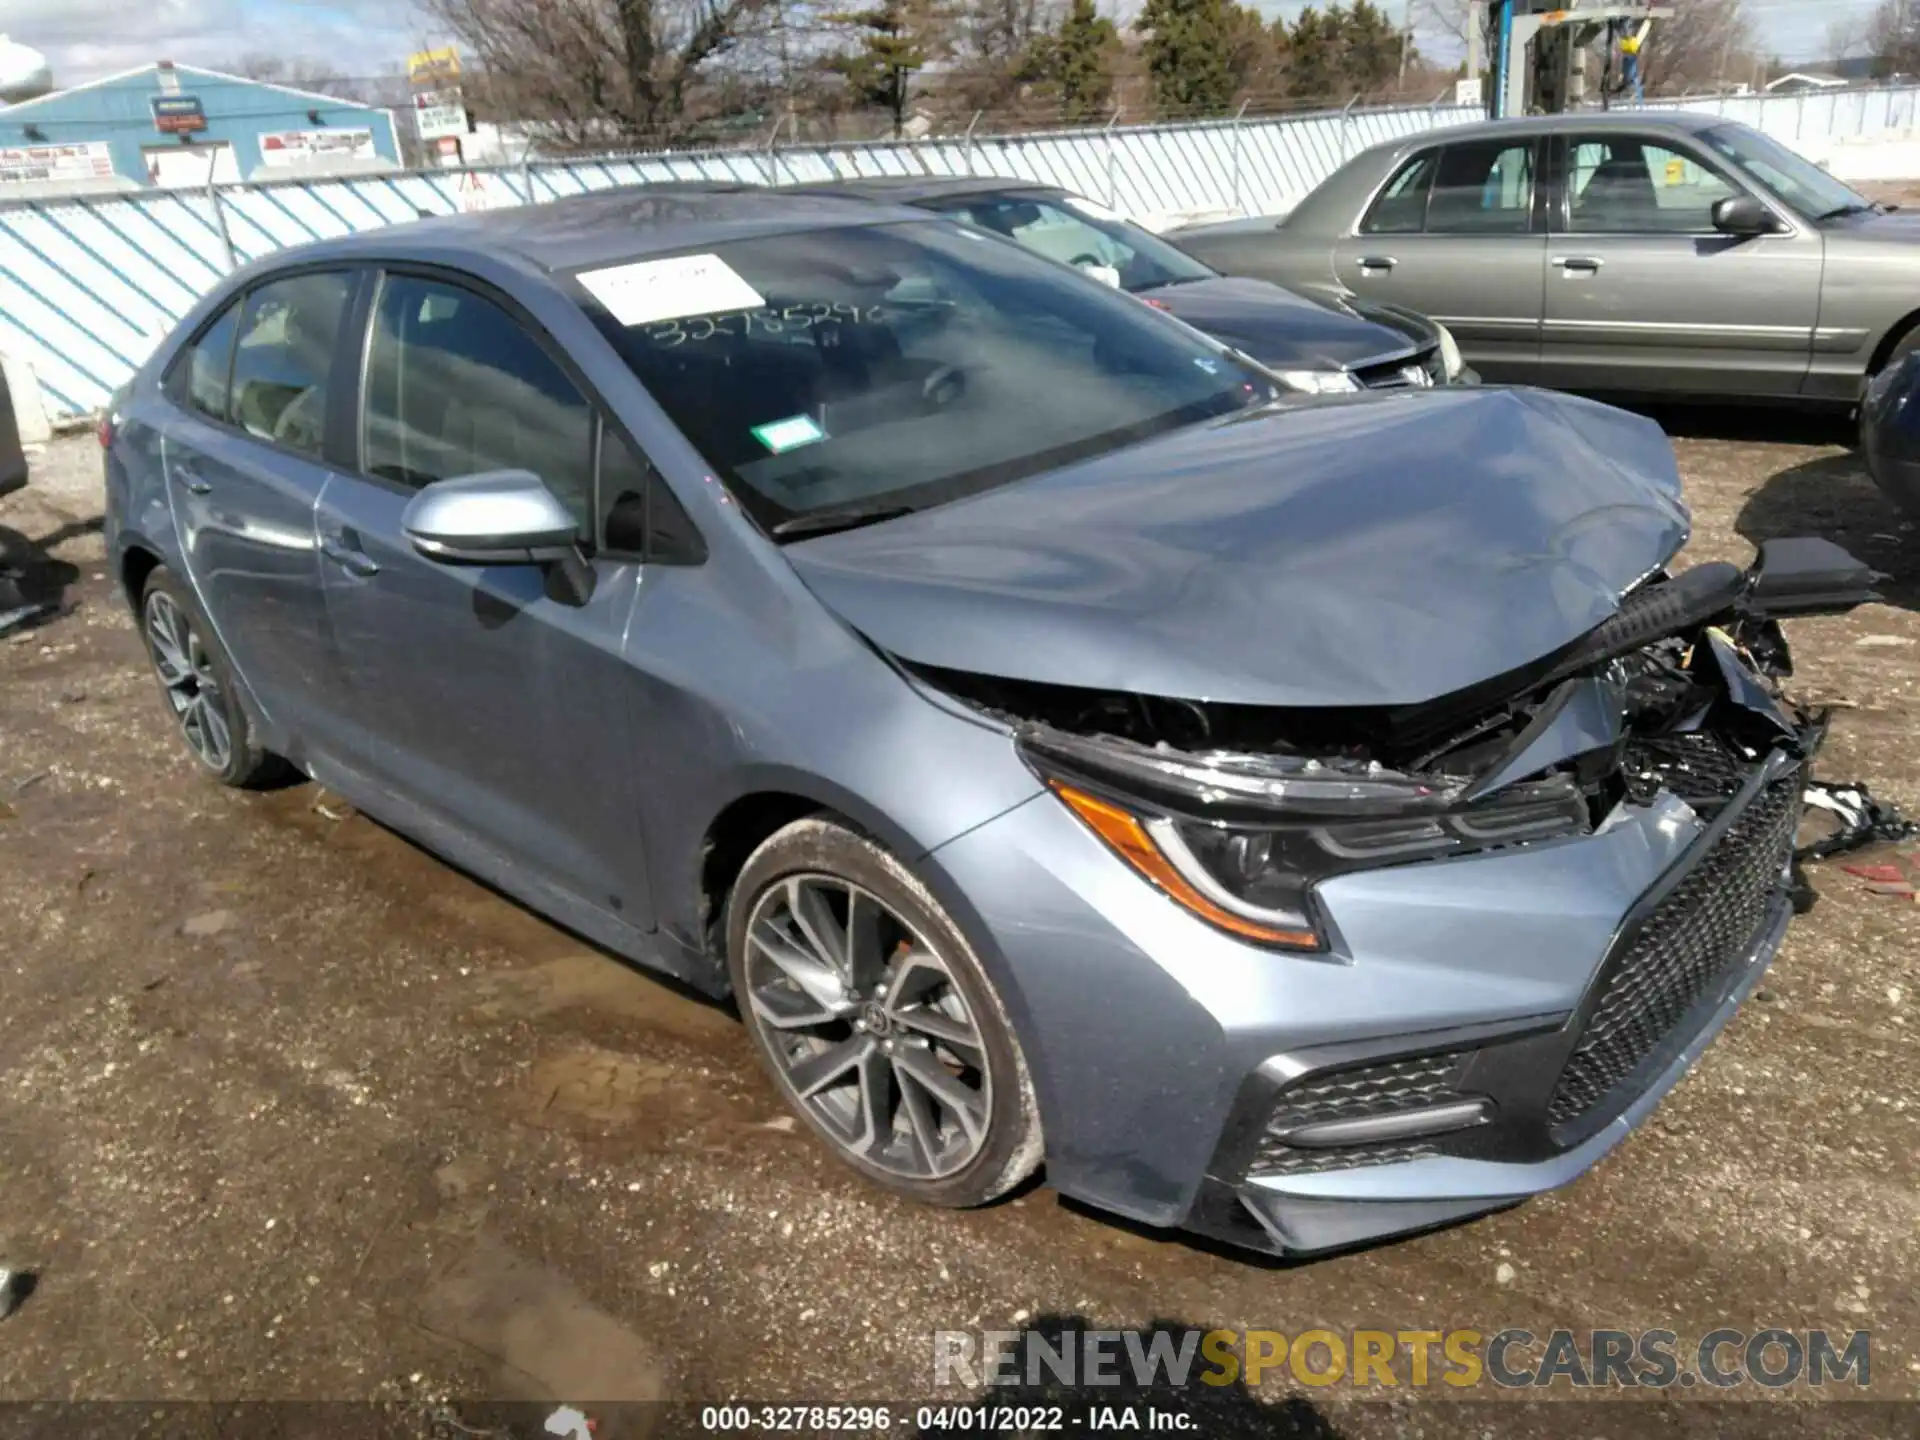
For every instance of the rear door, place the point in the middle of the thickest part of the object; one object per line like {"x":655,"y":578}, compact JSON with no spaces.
{"x":245,"y":454}
{"x":480,"y":696}
{"x":1457,"y":233}
{"x":1644,"y":295}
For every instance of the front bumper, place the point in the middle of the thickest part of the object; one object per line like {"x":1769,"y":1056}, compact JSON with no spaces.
{"x":1166,"y":1055}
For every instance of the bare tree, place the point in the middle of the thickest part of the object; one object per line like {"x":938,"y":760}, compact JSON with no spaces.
{"x":599,"y":72}
{"x":1892,"y":37}
{"x":303,"y":72}
{"x":1699,"y":47}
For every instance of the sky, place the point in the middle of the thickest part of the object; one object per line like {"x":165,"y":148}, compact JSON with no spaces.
{"x":85,"y":39}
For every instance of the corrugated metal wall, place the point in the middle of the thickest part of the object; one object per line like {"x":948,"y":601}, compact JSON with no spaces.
{"x":88,"y":286}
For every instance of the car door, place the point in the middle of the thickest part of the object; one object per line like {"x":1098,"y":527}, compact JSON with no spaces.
{"x":1457,"y":233}
{"x":484,"y":699}
{"x":1645,"y":295}
{"x":244,"y":450}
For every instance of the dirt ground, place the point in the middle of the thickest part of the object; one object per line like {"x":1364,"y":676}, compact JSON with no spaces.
{"x":292,"y":1110}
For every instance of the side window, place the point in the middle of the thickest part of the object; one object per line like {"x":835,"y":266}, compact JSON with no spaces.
{"x":455,"y":386}
{"x":642,"y":517}
{"x":1625,"y":186}
{"x":284,"y":354}
{"x":1483,"y":189}
{"x":201,"y":372}
{"x":1401,"y":208}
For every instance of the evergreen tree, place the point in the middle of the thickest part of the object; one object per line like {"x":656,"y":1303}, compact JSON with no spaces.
{"x":1370,"y":48}
{"x":1079,"y":61}
{"x":1188,"y":55}
{"x":1315,"y":65}
{"x":896,"y":39}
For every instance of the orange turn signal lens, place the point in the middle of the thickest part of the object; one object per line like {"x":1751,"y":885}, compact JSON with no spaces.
{"x":1129,"y":839}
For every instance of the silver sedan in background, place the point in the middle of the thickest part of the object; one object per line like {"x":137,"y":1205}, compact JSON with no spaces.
{"x":1667,"y":255}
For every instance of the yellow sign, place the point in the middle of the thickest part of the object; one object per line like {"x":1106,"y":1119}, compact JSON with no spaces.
{"x":430,"y":67}
{"x":1676,"y":171}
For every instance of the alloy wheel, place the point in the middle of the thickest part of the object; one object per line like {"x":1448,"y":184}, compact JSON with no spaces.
{"x":868,"y":1027}
{"x":185,"y":668}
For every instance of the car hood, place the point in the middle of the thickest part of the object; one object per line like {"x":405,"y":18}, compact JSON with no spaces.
{"x":1899,"y":227}
{"x":1373,"y":550}
{"x":1279,"y":328}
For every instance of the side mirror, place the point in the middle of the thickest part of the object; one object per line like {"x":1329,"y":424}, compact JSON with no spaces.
{"x":1742,"y":215}
{"x":501,"y":517}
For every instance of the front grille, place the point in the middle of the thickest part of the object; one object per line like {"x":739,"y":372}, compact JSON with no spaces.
{"x":1696,"y":766}
{"x":1420,"y":371}
{"x":1707,"y":925}
{"x":1352,"y":1094}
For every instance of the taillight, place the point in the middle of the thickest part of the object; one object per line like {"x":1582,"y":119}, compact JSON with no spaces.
{"x":105,"y":431}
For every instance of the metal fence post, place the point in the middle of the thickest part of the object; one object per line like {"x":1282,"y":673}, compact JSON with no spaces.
{"x":1346,"y":119}
{"x":220,"y":222}
{"x":1238,"y":117}
{"x":1113,"y":179}
{"x":772,"y":154}
{"x":968,"y":142}
{"x":526,"y":177}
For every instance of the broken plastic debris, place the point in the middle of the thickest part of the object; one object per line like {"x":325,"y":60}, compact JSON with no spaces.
{"x":1861,"y":820}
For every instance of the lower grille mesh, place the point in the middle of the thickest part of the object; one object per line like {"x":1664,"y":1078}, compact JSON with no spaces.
{"x":1707,"y":925}
{"x":1365,"y":1090}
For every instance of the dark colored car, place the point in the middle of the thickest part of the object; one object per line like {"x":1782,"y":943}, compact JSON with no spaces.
{"x":1890,"y":431}
{"x":1300,"y":819}
{"x":1319,"y":346}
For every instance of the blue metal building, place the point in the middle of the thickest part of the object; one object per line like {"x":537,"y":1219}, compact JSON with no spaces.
{"x":179,"y":125}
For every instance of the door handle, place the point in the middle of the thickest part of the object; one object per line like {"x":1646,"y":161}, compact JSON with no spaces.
{"x":1578,"y":264}
{"x":350,"y":558}
{"x":190,"y":478}
{"x":1377,"y":262}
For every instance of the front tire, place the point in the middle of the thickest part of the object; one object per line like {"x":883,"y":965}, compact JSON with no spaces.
{"x":196,"y":680}
{"x":876,"y":1020}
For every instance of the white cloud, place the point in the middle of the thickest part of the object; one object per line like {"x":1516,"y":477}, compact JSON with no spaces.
{"x":85,"y":39}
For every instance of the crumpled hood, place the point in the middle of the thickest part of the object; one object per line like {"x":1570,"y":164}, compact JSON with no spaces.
{"x":1277,"y":327}
{"x":1379,"y":550}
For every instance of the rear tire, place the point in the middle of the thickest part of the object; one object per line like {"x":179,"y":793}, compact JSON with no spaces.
{"x":196,"y":681}
{"x":876,"y":1021}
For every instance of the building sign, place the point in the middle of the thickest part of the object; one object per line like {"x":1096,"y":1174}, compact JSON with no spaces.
{"x":293,"y":147}
{"x":178,"y":114}
{"x":433,"y":67}
{"x":439,"y":122}
{"x":178,"y":167}
{"x":25,"y":164}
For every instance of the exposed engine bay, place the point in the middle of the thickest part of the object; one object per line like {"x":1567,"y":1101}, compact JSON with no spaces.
{"x":1677,"y":693}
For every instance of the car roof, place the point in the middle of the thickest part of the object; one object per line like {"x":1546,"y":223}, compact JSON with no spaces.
{"x":1673,"y":121}
{"x":913,"y":189}
{"x":625,"y":223}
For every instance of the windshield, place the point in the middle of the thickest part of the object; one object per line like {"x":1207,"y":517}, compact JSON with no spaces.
{"x":1078,"y":232}
{"x":1802,"y":184}
{"x":900,"y":366}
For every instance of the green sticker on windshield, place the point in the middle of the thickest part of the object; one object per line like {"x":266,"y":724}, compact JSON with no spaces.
{"x":791,"y":433}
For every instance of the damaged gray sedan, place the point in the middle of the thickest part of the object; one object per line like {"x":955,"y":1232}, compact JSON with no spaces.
{"x":1299,"y":821}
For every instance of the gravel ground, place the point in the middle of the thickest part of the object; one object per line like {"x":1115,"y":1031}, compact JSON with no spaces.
{"x":294,"y":1111}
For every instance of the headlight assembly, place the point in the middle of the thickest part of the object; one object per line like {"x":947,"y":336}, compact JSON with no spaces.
{"x":1320,"y":382}
{"x":1242,"y":840}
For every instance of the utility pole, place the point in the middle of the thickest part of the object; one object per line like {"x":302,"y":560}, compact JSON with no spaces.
{"x":1406,"y":40}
